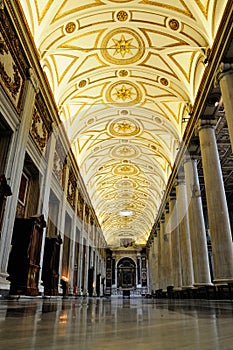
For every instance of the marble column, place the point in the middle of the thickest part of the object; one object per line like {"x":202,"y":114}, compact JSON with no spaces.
{"x":196,"y":225}
{"x":61,"y":222}
{"x":219,"y":223}
{"x":151,"y":266}
{"x":16,"y":162}
{"x":225,"y":79}
{"x":175,"y":244}
{"x":156,"y":265}
{"x":45,"y":200}
{"x":167,"y":249}
{"x":162,"y":280}
{"x":185,"y":243}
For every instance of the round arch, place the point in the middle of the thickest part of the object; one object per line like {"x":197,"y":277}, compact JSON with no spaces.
{"x":126,"y":273}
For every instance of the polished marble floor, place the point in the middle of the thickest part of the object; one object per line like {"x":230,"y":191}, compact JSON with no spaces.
{"x":116,"y":324}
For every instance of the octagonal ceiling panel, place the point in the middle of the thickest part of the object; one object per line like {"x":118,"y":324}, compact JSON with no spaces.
{"x":124,"y":75}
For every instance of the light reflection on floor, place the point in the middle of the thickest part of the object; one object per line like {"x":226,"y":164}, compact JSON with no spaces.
{"x":116,"y":324}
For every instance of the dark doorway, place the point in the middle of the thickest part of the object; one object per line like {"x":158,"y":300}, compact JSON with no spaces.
{"x":126,"y":274}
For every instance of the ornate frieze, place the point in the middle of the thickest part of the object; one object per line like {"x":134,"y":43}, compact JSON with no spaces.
{"x":13,"y":65}
{"x":11,"y":78}
{"x":80,"y":206}
{"x":71,"y":188}
{"x":41,"y":126}
{"x":59,"y":162}
{"x":39,"y":132}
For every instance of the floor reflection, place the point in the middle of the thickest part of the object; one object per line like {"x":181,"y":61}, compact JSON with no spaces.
{"x":122,"y":324}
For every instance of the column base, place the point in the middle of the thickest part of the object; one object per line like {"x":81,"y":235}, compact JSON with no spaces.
{"x":4,"y":284}
{"x":203,"y":284}
{"x":223,"y":281}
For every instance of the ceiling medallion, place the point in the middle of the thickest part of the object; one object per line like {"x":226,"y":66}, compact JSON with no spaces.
{"x":125,"y":151}
{"x":82,"y":83}
{"x":123,"y":92}
{"x":123,"y":46}
{"x":157,"y":120}
{"x":123,"y":73}
{"x":124,"y":112}
{"x":70,"y":27}
{"x":122,"y":16}
{"x":125,"y":169}
{"x":124,"y":127}
{"x":90,"y":121}
{"x":154,"y":148}
{"x":125,"y":184}
{"x":164,"y":81}
{"x":174,"y":24}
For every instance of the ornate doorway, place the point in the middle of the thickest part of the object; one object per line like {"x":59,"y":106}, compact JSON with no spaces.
{"x":126,"y":274}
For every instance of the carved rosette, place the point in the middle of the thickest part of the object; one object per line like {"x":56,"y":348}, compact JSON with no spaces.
{"x":124,"y":127}
{"x":123,"y":46}
{"x":125,"y":170}
{"x":124,"y":93}
{"x":125,"y":151}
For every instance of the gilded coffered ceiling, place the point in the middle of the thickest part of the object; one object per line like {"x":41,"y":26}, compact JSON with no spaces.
{"x":124,"y":74}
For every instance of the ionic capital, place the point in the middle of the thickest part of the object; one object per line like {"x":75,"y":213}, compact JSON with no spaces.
{"x":206,"y":123}
{"x":223,"y":70}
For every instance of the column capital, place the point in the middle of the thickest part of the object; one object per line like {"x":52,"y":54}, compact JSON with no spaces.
{"x":172,"y":194}
{"x":206,"y":123}
{"x":190,"y":158}
{"x":162,"y":219}
{"x":223,"y":69}
{"x":180,"y":179}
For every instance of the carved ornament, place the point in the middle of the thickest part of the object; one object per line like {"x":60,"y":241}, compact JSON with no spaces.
{"x":10,"y":77}
{"x":39,"y":132}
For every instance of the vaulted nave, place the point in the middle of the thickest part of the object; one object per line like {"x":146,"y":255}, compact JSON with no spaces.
{"x":116,"y":174}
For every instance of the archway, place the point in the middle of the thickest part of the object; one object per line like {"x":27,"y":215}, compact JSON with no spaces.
{"x":126,"y":275}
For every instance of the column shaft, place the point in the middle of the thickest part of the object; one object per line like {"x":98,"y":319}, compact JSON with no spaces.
{"x":197,"y":225}
{"x":185,"y":244}
{"x":163,"y":284}
{"x":218,"y":216}
{"x":175,"y":245}
{"x":225,"y":76}
{"x":167,"y":250}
